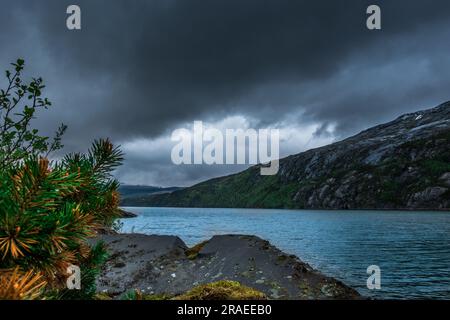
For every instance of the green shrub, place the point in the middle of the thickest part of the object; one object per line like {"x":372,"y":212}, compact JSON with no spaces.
{"x":436,"y":167}
{"x":48,"y":210}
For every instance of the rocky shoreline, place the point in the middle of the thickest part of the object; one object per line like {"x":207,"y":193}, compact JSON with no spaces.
{"x":165,"y":266}
{"x":123,"y":214}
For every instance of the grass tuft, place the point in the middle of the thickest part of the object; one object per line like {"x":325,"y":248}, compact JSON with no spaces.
{"x":222,"y":290}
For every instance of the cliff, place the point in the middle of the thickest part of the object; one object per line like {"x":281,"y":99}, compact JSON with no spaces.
{"x":402,"y":164}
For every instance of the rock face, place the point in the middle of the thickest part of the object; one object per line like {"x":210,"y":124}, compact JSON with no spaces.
{"x":164,"y":265}
{"x":403,"y":164}
{"x":126,"y":214}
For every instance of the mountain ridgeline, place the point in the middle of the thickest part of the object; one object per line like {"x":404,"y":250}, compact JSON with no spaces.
{"x":403,"y":164}
{"x":134,"y":194}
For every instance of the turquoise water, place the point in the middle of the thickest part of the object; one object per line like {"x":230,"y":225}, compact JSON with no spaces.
{"x":411,"y":248}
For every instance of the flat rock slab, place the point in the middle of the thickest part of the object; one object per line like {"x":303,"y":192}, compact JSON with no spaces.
{"x":160,"y":265}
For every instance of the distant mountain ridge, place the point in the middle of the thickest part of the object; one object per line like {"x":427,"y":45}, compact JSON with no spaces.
{"x":133,"y":194}
{"x":402,"y":164}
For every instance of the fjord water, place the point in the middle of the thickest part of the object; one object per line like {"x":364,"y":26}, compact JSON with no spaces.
{"x":411,"y":248}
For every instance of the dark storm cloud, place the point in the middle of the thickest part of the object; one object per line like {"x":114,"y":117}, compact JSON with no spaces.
{"x":139,"y":68}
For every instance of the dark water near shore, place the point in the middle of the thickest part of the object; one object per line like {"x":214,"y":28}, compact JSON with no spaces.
{"x":411,"y":248}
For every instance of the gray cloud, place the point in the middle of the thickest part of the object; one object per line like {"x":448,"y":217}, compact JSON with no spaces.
{"x":138,"y":69}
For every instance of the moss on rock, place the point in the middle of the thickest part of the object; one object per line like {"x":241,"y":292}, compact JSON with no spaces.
{"x":193,"y":252}
{"x":222,"y":290}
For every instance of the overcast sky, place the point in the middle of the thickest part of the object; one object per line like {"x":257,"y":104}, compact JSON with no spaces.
{"x":140,"y":69}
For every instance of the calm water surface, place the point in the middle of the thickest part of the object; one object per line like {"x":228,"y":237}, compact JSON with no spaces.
{"x":411,"y":248}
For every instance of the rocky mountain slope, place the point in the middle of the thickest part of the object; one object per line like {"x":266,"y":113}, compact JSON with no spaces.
{"x":403,"y":164}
